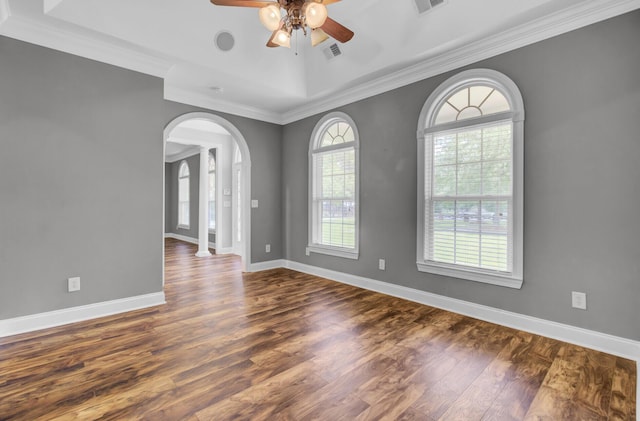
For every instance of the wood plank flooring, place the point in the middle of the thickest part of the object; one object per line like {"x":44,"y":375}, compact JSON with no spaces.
{"x":282,"y":345}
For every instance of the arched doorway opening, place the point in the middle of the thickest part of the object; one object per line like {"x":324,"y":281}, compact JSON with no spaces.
{"x":182,"y":131}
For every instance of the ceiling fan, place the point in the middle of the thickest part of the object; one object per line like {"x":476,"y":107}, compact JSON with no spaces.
{"x":298,"y":14}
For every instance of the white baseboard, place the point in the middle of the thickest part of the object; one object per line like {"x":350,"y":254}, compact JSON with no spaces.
{"x":272,"y":264}
{"x":610,"y":344}
{"x":225,"y":250}
{"x":186,"y":239}
{"x":65,"y":316}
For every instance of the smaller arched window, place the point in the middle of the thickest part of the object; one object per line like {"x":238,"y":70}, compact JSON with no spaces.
{"x":333,"y":187}
{"x":470,"y":179}
{"x":183,"y":196}
{"x":212,"y":192}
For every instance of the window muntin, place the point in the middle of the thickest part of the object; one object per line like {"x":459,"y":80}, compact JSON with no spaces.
{"x":212,"y":192}
{"x":470,"y":187}
{"x":471,"y":102}
{"x":334,"y":187}
{"x":183,"y":195}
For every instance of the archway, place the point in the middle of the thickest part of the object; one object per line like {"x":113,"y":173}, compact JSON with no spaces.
{"x":245,"y":168}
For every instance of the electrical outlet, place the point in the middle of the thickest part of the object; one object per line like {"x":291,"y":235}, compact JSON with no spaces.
{"x":267,"y":248}
{"x":579,"y":300}
{"x":307,"y":252}
{"x":73,"y":284}
{"x":382,"y":264}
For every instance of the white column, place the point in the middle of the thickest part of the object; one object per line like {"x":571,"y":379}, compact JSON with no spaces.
{"x":203,"y":213}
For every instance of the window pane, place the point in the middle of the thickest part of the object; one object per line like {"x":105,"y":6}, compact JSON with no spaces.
{"x":212,"y":215}
{"x":183,"y":194}
{"x":496,"y":142}
{"x":472,"y":102}
{"x":445,"y":149}
{"x":496,"y":178}
{"x":479,"y":94}
{"x":460,"y":99}
{"x":496,"y":103}
{"x":447,"y":114}
{"x":469,"y":179}
{"x":183,"y":190}
{"x":444,"y":183}
{"x":470,"y":146}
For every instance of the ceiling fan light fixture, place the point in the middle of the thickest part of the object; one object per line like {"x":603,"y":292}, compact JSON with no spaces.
{"x":318,"y":36}
{"x":315,"y":14}
{"x":282,"y":38}
{"x":270,"y":16}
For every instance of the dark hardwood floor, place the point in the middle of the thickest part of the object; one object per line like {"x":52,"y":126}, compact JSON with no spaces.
{"x":282,"y":345}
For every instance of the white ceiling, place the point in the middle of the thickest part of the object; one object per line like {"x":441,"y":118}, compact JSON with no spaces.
{"x":393,"y":45}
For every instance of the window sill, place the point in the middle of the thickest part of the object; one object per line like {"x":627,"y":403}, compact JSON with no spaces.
{"x":487,"y":277}
{"x":337,"y":252}
{"x":183,"y":227}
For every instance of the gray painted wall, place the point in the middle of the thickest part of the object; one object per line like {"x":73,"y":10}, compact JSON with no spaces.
{"x":80,"y":180}
{"x":582,"y":178}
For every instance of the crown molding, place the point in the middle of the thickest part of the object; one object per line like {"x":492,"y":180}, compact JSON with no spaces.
{"x":49,"y":35}
{"x":569,"y":19}
{"x":52,"y":36}
{"x":199,"y":99}
{"x":5,"y":11}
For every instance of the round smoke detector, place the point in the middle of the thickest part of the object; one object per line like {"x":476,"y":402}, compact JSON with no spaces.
{"x":225,"y":41}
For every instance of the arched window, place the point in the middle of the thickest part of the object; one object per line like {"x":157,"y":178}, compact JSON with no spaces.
{"x":470,"y":179}
{"x":212,"y":192}
{"x":333,"y":187}
{"x":183,"y":195}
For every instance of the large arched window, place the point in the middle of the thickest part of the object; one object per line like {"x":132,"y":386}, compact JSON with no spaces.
{"x":333,"y":187}
{"x":470,"y":180}
{"x":183,"y":195}
{"x":212,"y":192}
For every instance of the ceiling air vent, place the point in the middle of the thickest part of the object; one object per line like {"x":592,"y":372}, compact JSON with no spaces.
{"x":426,"y":5}
{"x":332,"y":51}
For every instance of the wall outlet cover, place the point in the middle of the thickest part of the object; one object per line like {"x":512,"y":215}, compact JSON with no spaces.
{"x":579,"y":300}
{"x":73,"y":284}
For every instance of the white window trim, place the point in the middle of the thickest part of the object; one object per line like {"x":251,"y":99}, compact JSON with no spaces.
{"x":215,"y":201}
{"x":184,"y":226}
{"x":426,"y":125}
{"x":312,"y":247}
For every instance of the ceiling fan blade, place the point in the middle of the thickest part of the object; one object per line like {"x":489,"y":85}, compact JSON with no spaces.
{"x":241,"y":3}
{"x":337,"y":31}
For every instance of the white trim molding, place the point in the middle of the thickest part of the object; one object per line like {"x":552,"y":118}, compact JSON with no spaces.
{"x":83,"y":44}
{"x":574,"y":17}
{"x":191,"y":240}
{"x":199,"y":99}
{"x":271,"y":264}
{"x":610,"y":344}
{"x":5,"y":11}
{"x":65,"y":316}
